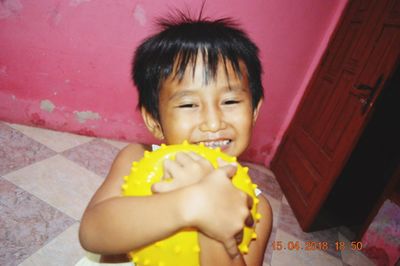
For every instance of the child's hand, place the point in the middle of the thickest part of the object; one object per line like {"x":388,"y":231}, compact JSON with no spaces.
{"x":188,"y":168}
{"x":218,"y":209}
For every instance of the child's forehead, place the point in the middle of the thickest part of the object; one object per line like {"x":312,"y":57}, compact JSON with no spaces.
{"x":198,"y":77}
{"x":200,"y":65}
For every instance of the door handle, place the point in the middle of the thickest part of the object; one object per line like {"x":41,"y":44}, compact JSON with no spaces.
{"x":366,"y":101}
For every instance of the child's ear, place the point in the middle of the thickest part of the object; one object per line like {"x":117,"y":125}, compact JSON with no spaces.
{"x":257,"y":110}
{"x":152,"y":124}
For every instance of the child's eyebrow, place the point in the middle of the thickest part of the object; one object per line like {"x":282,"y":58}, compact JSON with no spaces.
{"x":189,"y":92}
{"x":235,"y":87}
{"x":180,"y":94}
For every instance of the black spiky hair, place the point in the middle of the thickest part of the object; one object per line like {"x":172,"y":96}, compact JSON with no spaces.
{"x":178,"y":44}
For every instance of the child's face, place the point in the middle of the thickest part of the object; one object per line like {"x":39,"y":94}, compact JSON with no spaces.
{"x":219,"y":114}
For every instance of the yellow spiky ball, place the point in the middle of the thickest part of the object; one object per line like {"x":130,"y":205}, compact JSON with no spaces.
{"x":182,"y":248}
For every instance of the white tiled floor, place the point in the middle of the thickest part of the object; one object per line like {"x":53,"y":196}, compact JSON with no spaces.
{"x":59,"y":182}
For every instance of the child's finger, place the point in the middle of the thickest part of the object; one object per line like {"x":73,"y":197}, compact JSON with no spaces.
{"x":231,"y":247}
{"x":229,"y":169}
{"x":239,"y":237}
{"x":166,"y":172}
{"x":195,"y":156}
{"x":170,"y":167}
{"x":201,"y":160}
{"x":183,"y":158}
{"x":162,"y":187}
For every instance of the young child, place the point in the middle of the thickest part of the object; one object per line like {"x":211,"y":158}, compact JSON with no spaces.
{"x":200,"y":81}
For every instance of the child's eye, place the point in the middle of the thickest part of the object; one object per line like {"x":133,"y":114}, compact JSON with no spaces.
{"x":228,"y":102}
{"x":187,"y":105}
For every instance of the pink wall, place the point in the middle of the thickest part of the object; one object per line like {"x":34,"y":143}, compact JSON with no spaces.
{"x":65,"y":64}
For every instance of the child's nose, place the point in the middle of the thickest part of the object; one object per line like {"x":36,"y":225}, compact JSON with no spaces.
{"x":212,"y":120}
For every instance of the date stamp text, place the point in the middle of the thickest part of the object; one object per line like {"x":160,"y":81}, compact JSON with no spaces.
{"x":278,"y":245}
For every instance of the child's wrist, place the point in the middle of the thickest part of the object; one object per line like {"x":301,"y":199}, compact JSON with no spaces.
{"x":187,"y":204}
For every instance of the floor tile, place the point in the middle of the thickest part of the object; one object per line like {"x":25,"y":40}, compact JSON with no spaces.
{"x":96,"y":155}
{"x":284,"y":200}
{"x":26,"y":223}
{"x":267,"y":183}
{"x":269,"y":251}
{"x":18,"y":150}
{"x":276,"y":208}
{"x":286,"y":257}
{"x":55,"y":140}
{"x":117,"y":144}
{"x":289,"y":224}
{"x":62,"y":250}
{"x":59,"y":182}
{"x":347,"y":232}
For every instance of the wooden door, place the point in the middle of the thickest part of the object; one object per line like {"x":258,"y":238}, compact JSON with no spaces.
{"x":338,"y":101}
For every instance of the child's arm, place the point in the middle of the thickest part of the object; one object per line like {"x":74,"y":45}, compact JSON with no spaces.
{"x":113,"y":224}
{"x":212,"y":250}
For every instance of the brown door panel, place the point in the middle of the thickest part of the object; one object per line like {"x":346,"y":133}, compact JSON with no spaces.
{"x":338,"y":101}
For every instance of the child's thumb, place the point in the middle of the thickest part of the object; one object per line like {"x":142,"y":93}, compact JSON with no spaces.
{"x":229,"y":169}
{"x":231,"y":248}
{"x":162,"y":187}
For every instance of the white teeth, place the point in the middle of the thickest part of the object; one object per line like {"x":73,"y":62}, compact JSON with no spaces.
{"x":216,"y":144}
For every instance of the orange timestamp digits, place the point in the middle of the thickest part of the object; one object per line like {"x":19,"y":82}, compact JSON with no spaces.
{"x":296,"y":245}
{"x":278,"y":245}
{"x":354,"y":245}
{"x":290,"y":245}
{"x":316,"y":245}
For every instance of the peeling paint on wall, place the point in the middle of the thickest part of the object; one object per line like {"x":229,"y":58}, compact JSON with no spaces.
{"x":85,"y":115}
{"x":9,"y":8}
{"x":47,"y":105}
{"x":140,"y":15}
{"x":37,"y":120}
{"x":55,"y":16}
{"x":86,"y":132}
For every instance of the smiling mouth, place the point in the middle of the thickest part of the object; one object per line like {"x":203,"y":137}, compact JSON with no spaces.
{"x":213,"y":144}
